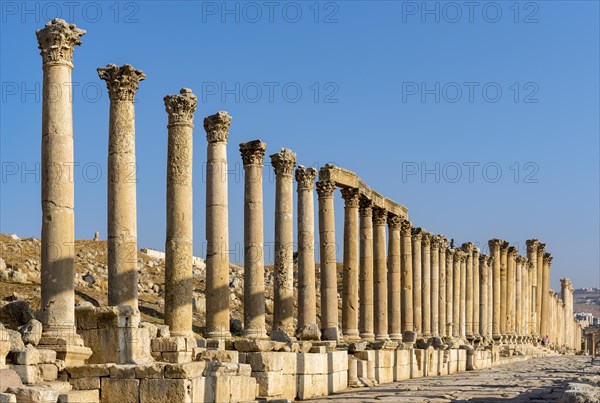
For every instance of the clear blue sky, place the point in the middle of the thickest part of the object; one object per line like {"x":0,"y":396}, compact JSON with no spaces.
{"x":388,"y":89}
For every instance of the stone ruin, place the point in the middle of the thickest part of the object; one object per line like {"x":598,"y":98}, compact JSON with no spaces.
{"x":412,"y":306}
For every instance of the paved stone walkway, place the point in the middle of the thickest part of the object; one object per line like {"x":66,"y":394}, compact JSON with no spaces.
{"x":535,"y":380}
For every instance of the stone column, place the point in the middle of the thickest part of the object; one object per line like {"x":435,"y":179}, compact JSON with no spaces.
{"x":307,"y":291}
{"x":510,"y":291}
{"x":407,"y":280}
{"x":504,"y":288}
{"x":329,"y":303}
{"x":253,"y":158}
{"x":449,"y":325}
{"x":456,"y":295}
{"x":435,"y":285}
{"x":519,"y":297}
{"x":179,"y":287}
{"x":468,"y":249}
{"x":463,"y":295}
{"x":283,"y":163}
{"x":380,"y":275}
{"x":547,"y":261}
{"x":417,"y":235}
{"x":350,"y":305}
{"x":490,"y":308}
{"x":122,"y":83}
{"x":525,"y":291}
{"x":393,"y":280}
{"x":57,"y":41}
{"x":426,"y":284}
{"x":217,"y":226}
{"x":540,"y":286}
{"x":442,"y":293}
{"x":476,"y":291}
{"x":566,"y":293}
{"x":532,"y":246}
{"x":366,"y":270}
{"x":494,"y":245}
{"x":484,"y":328}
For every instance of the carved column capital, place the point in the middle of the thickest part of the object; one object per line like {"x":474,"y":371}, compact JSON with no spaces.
{"x":57,"y":40}
{"x":351,"y":196}
{"x":541,"y":248}
{"x":532,"y":245}
{"x":306,"y":177}
{"x":449,"y":256}
{"x":253,"y":153}
{"x":181,"y":107}
{"x":459,"y":256}
{"x":417,"y":234}
{"x":443,"y":242}
{"x":379,"y":216}
{"x":284,"y":162}
{"x":122,"y":81}
{"x":468,"y":247}
{"x":394,"y":222}
{"x":483,"y":259}
{"x":494,"y":244}
{"x":547,"y":259}
{"x":435,"y":242}
{"x":406,"y":228}
{"x":476,"y":252}
{"x":566,"y":283}
{"x":325,"y":189}
{"x":365,"y":206}
{"x":426,"y":239}
{"x":217,"y":127}
{"x":512,"y":251}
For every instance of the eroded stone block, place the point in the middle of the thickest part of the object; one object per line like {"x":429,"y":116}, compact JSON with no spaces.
{"x":80,"y":396}
{"x":120,"y":390}
{"x":155,"y":390}
{"x":86,"y":383}
{"x":186,"y":370}
{"x":312,"y":385}
{"x":90,"y":370}
{"x":8,"y":398}
{"x":309,"y":363}
{"x":29,"y":374}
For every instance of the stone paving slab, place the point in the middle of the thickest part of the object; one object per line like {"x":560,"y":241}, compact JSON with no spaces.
{"x":535,"y":380}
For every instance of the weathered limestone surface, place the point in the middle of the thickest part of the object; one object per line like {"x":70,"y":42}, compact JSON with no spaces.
{"x":122,"y":83}
{"x":366,"y":270}
{"x":380,"y":299}
{"x":393,"y":280}
{"x":435,"y":285}
{"x":253,"y":156}
{"x":426,"y":285}
{"x":417,"y":236}
{"x":307,"y":292}
{"x":449,"y":325}
{"x":179,"y":243}
{"x":283,"y":315}
{"x":406,"y":278}
{"x":494,"y":245}
{"x":217,"y":226}
{"x":350,"y":305}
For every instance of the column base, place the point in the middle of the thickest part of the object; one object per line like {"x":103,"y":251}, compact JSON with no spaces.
{"x":382,"y":336}
{"x":330,"y":334}
{"x":255,"y":334}
{"x":351,"y":334}
{"x":396,"y":337}
{"x":217,"y":335}
{"x":71,"y":350}
{"x":367,"y":336}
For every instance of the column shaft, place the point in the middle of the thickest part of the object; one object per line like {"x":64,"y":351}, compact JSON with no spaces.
{"x":547,"y":260}
{"x":407,"y":278}
{"x":540,"y":287}
{"x":179,"y":287}
{"x":456,"y":297}
{"x":417,"y":235}
{"x":380,"y":299}
{"x":504,"y":288}
{"x":468,"y":249}
{"x":449,"y":325}
{"x":476,"y":292}
{"x":393,"y":280}
{"x":518,"y":297}
{"x":307,"y":291}
{"x":442,"y":294}
{"x":510,"y":290}
{"x":463,"y":296}
{"x":350,"y":305}
{"x":366,"y":270}
{"x":426,"y":285}
{"x":494,"y":245}
{"x":329,"y":303}
{"x":435,"y":285}
{"x":253,"y":157}
{"x":484,"y":328}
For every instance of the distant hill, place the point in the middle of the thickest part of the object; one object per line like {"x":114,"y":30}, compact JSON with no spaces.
{"x":587,"y":300}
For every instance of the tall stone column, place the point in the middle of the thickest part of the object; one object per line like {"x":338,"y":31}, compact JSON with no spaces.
{"x":393,"y":280}
{"x":122,"y":83}
{"x":468,"y":249}
{"x":366,"y":270}
{"x":417,"y":236}
{"x":463,"y":295}
{"x":426,"y":284}
{"x":456,"y":308}
{"x":494,"y":245}
{"x":518,"y":297}
{"x":329,"y":304}
{"x":547,"y":261}
{"x":57,"y":41}
{"x":484,"y":328}
{"x":532,"y":246}
{"x":540,"y":286}
{"x":525,"y":292}
{"x":380,"y":275}
{"x":442,"y":293}
{"x":407,"y":280}
{"x":476,"y":291}
{"x":283,"y":163}
{"x":566,"y":293}
{"x":510,"y":292}
{"x":490,"y":309}
{"x":350,"y":305}
{"x":449,"y":325}
{"x":217,"y":226}
{"x":179,"y":287}
{"x":307,"y":289}
{"x":504,"y":288}
{"x":435,"y":285}
{"x":253,"y":159}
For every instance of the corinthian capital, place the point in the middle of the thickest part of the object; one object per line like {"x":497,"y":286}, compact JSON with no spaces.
{"x":532,"y":245}
{"x":435,"y":241}
{"x":449,"y":256}
{"x":217,"y":127}
{"x":351,"y":196}
{"x":417,"y":233}
{"x":494,"y":245}
{"x":394,"y":222}
{"x":467,"y":247}
{"x":57,"y":40}
{"x":325,"y":189}
{"x":406,"y":228}
{"x":306,"y":177}
{"x":512,"y":251}
{"x":181,"y":107}
{"x":547,"y":259}
{"x":365,"y":206}
{"x":426,"y":239}
{"x":284,"y":162}
{"x":122,"y":81}
{"x":379,"y":216}
{"x":541,"y":248}
{"x":253,"y":152}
